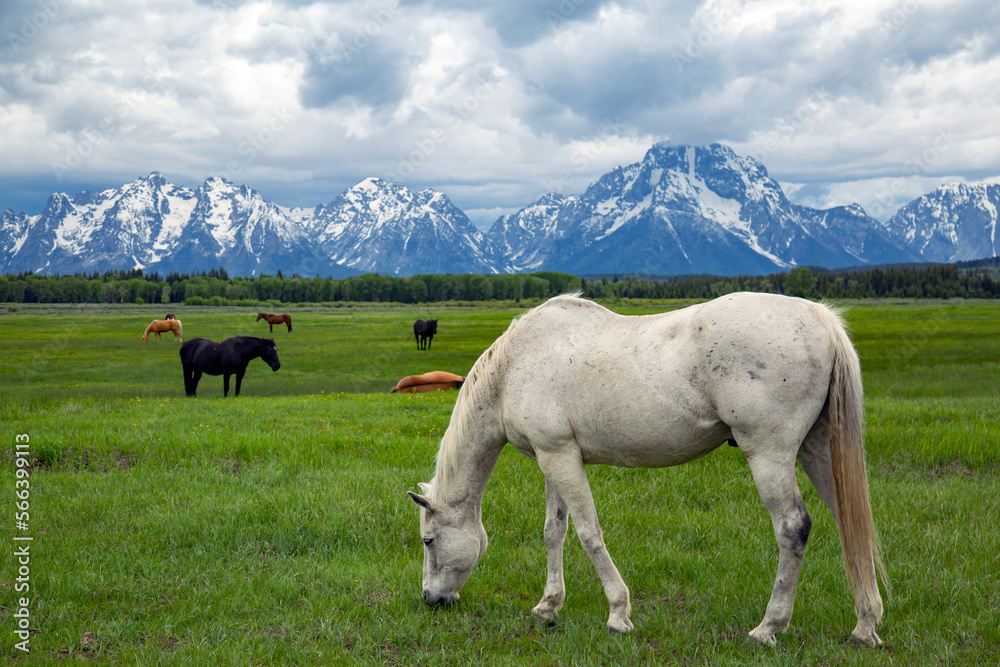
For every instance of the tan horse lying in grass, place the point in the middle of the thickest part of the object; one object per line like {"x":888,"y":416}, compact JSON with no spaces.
{"x":571,"y":383}
{"x":433,"y":381}
{"x":159,"y":326}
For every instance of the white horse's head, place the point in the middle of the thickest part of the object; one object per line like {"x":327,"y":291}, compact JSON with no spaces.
{"x":454,"y":541}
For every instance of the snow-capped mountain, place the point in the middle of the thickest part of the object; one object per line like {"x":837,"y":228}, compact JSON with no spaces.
{"x":953,"y":223}
{"x":154,"y":225}
{"x":682,"y":209}
{"x":686,"y":209}
{"x":14,"y":232}
{"x":234,"y":227}
{"x":120,"y":227}
{"x":383,"y":227}
{"x":524,"y":236}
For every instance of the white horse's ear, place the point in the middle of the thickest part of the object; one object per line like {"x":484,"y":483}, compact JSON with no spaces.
{"x":423,"y":501}
{"x":425,"y":488}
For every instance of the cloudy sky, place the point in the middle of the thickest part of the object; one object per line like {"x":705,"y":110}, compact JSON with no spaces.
{"x":495,"y":102}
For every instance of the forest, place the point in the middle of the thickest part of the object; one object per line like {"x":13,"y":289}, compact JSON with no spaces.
{"x":978,"y":280}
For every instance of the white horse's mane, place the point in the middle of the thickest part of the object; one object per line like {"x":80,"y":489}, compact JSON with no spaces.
{"x":480,"y":389}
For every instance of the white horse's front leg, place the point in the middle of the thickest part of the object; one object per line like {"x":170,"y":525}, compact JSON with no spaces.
{"x":564,"y":470}
{"x":556,"y":526}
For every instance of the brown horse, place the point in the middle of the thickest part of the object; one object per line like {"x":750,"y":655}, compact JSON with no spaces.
{"x":158,"y":326}
{"x":275,"y":319}
{"x":433,"y":381}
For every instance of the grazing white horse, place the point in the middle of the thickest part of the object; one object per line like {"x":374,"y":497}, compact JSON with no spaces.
{"x":571,"y":383}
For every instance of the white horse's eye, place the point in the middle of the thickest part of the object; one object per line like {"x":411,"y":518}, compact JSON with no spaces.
{"x":427,"y":541}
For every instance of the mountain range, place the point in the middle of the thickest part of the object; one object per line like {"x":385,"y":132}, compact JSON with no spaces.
{"x":681,"y":210}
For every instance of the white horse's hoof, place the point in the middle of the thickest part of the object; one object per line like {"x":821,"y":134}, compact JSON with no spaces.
{"x":760,"y":639}
{"x":544,"y":615}
{"x":620,"y":626}
{"x":871,"y":640}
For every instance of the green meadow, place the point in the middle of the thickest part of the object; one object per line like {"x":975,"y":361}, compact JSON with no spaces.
{"x":274,"y":528}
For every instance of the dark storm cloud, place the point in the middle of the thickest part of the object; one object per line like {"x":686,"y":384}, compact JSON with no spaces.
{"x":521,"y":22}
{"x":370,"y":76}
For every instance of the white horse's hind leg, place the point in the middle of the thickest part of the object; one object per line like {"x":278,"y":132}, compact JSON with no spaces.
{"x":776,"y":484}
{"x":814,"y":455}
{"x":563,"y":469}
{"x":556,"y":526}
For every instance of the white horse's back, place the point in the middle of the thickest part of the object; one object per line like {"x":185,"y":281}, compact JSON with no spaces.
{"x":663,"y":389}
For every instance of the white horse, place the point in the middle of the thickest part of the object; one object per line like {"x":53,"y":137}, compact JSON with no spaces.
{"x":571,"y":383}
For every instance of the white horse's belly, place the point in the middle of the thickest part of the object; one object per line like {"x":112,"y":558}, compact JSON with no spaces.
{"x":651,"y":447}
{"x":649,"y":429}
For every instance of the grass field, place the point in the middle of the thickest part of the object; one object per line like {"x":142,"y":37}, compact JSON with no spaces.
{"x":275,"y":529}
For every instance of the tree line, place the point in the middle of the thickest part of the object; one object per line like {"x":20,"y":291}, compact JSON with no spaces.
{"x":216,"y":287}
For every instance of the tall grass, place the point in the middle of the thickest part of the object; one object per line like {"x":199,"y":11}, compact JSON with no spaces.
{"x":274,"y":528}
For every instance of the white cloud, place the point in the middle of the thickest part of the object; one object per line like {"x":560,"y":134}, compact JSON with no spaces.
{"x":498,"y":102}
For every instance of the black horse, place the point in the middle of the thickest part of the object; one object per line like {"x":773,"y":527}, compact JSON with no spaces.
{"x":230,"y":357}
{"x":423,"y":331}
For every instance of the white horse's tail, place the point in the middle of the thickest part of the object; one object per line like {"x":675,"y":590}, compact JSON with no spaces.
{"x":845,"y":409}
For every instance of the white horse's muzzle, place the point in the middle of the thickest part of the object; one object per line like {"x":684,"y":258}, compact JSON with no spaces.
{"x":431,"y":597}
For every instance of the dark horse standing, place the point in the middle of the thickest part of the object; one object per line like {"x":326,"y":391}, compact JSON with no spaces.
{"x":275,"y":319}
{"x":230,"y":357}
{"x":423,"y":331}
